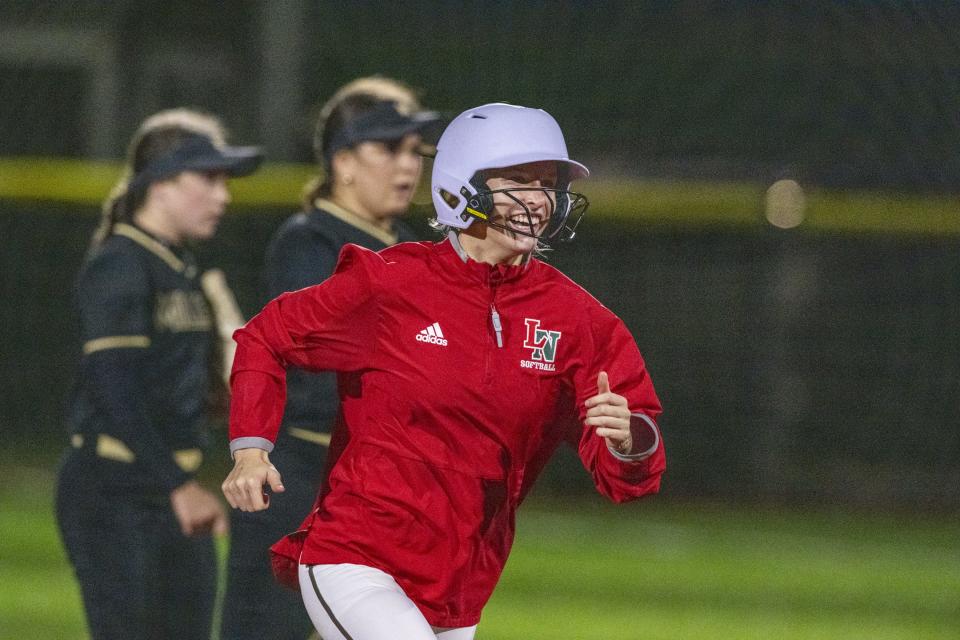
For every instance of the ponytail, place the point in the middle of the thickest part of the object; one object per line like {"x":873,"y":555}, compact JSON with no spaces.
{"x":319,"y":186}
{"x":118,"y":207}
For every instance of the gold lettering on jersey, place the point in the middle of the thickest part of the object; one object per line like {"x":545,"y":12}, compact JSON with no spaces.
{"x":179,"y":311}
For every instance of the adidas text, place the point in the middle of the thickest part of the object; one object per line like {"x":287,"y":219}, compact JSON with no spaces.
{"x":432,"y":335}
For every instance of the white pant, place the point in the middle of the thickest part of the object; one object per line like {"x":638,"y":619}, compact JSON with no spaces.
{"x":354,"y":602}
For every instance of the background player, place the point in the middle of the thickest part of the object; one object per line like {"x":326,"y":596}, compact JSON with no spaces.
{"x":441,"y":439}
{"x":135,"y":523}
{"x":368,"y":143}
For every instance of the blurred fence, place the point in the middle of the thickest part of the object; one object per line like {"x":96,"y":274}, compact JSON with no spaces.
{"x":849,"y":94}
{"x":791,"y":365}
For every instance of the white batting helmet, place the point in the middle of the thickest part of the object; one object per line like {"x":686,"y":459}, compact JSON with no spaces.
{"x":500,"y":135}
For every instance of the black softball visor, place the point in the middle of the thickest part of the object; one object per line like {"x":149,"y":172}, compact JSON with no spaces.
{"x":384,"y":123}
{"x":198,"y":153}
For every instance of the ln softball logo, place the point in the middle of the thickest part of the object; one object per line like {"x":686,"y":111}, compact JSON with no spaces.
{"x":543,"y":346}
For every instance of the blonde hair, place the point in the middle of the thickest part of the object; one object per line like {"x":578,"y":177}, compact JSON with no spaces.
{"x":189,"y":120}
{"x":156,"y":136}
{"x":379,"y":87}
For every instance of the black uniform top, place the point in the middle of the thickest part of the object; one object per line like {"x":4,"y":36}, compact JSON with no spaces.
{"x":302,"y":253}
{"x":147,"y":331}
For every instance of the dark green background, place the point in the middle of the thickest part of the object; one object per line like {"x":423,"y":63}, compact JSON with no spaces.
{"x":792,"y":365}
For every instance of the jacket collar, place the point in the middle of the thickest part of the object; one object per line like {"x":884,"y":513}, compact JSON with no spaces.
{"x":452,"y":252}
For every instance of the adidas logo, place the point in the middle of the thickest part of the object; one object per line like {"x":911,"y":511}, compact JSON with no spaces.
{"x":433,"y":335}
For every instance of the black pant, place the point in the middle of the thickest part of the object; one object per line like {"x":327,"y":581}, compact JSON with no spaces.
{"x":140,"y":577}
{"x":255,"y":606}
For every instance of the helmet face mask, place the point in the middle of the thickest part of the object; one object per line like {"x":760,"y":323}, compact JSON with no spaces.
{"x":558,"y":223}
{"x":497,"y":136}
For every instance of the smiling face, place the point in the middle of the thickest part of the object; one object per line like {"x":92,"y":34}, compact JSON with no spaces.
{"x":376,"y":180}
{"x":519,"y":205}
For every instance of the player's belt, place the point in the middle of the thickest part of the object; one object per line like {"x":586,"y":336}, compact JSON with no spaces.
{"x":316,"y":437}
{"x":110,"y":448}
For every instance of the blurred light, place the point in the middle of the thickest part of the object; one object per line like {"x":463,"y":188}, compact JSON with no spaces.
{"x":785,"y":204}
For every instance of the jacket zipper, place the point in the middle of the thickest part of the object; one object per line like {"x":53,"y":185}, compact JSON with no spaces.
{"x":497,"y":325}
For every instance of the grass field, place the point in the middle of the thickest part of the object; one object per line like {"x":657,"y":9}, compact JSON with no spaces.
{"x":652,"y":571}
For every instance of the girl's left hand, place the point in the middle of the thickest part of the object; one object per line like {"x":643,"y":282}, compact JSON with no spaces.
{"x":609,"y":413}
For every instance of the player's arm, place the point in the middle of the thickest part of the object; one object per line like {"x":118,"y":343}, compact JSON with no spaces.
{"x":226,"y":312}
{"x":620,"y":443}
{"x":115,"y":306}
{"x":115,"y":303}
{"x":300,"y":256}
{"x":331,"y":326}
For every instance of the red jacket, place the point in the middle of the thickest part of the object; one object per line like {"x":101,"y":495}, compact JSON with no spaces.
{"x":446,"y":422}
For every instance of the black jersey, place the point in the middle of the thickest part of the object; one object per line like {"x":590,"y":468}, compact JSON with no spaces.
{"x":302,"y":253}
{"x":147,"y":331}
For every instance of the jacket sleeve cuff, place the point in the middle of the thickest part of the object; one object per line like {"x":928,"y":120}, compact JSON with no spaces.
{"x":642,"y":422}
{"x":250,"y":443}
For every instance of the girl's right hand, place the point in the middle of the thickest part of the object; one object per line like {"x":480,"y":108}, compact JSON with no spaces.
{"x":243,"y":487}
